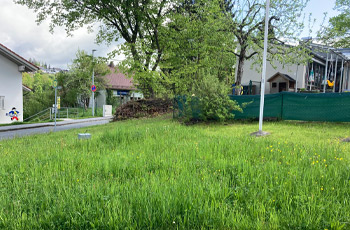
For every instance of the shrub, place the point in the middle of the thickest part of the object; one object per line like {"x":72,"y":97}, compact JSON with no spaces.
{"x":210,"y":101}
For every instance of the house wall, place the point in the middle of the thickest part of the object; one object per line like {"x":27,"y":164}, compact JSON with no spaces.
{"x":11,"y":88}
{"x":250,"y":73}
{"x":101,"y":98}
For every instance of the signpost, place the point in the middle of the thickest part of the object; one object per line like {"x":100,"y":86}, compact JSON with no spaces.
{"x":55,"y":86}
{"x":93,"y":85}
{"x":58,"y":102}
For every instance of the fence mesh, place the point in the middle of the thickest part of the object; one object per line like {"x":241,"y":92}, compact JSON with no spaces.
{"x":333,"y":107}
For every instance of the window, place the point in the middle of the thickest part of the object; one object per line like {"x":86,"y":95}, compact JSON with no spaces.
{"x":274,"y":85}
{"x":2,"y":102}
{"x":291,"y":85}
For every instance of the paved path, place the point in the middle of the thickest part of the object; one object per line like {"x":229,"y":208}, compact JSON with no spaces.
{"x":8,"y":132}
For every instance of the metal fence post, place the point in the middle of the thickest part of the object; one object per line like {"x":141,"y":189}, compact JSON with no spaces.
{"x":282,"y":105}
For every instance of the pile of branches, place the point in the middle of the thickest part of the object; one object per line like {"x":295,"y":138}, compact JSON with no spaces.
{"x":143,"y":108}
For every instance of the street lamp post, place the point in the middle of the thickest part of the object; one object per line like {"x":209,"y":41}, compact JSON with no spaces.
{"x":93,"y":83}
{"x":263,"y":77}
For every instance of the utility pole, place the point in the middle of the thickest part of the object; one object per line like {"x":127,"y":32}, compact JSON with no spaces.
{"x":55,"y":82}
{"x":341,"y":77}
{"x":296,"y":80}
{"x":93,"y":83}
{"x":325,"y":74}
{"x":262,"y":97}
{"x":335,"y":72}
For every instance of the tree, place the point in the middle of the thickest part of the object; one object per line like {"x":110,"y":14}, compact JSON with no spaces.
{"x":77,"y":83}
{"x":196,"y":41}
{"x":135,"y":21}
{"x":42,"y":96}
{"x":247,"y":25}
{"x":337,"y":33}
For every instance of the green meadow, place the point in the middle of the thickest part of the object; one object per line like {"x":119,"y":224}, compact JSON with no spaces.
{"x":160,"y":174}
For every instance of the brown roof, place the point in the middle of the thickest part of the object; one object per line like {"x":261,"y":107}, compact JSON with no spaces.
{"x":117,"y":80}
{"x":278,"y":74}
{"x":17,"y":58}
{"x":26,"y":88}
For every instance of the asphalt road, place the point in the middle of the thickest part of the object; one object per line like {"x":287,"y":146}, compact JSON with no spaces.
{"x":36,"y":130}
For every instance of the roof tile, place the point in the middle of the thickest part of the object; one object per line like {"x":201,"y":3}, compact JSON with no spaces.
{"x":117,"y":80}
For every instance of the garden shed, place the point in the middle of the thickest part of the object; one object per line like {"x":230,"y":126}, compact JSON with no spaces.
{"x":280,"y":82}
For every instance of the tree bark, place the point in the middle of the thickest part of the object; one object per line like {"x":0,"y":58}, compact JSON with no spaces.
{"x":240,"y":66}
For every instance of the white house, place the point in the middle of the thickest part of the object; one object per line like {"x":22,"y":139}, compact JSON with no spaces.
{"x":11,"y":95}
{"x":121,"y":87}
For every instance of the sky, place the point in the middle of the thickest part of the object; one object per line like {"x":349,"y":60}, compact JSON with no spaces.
{"x":21,"y":34}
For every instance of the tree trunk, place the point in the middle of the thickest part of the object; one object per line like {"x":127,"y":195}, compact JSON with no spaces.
{"x":239,"y":73}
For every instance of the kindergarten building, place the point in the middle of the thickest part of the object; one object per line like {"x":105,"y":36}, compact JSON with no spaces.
{"x":11,"y":89}
{"x":329,"y":71}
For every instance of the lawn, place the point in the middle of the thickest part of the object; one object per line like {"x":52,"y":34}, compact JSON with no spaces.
{"x":159,"y":174}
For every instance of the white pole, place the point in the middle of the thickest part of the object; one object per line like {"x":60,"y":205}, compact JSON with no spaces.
{"x":341,"y":77}
{"x":335,"y":72}
{"x":262,"y":97}
{"x":347,"y":77}
{"x":296,"y":80}
{"x":93,"y":83}
{"x":325,"y":75}
{"x":55,"y":107}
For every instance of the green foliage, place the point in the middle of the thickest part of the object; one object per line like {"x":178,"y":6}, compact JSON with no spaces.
{"x":136,"y":22}
{"x":247,"y":26}
{"x":158,"y":174}
{"x":197,"y":39}
{"x":77,"y":82}
{"x":112,"y":100}
{"x":42,"y":96}
{"x":337,"y":33}
{"x":210,"y":101}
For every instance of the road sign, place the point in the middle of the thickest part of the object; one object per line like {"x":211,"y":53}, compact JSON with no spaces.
{"x":58,"y":102}
{"x":55,"y":83}
{"x":93,"y":88}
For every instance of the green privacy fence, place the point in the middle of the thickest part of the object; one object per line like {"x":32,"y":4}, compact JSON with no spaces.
{"x":290,"y":106}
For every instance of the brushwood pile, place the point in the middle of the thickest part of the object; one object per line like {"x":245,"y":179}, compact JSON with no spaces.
{"x":143,"y":108}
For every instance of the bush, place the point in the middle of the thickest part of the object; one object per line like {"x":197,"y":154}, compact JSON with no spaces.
{"x":210,"y":101}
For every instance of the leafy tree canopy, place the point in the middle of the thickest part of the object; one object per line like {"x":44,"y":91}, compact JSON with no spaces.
{"x":248,"y":19}
{"x":337,"y":34}
{"x":196,"y":41}
{"x":42,"y":96}
{"x":137,"y":22}
{"x":77,"y":82}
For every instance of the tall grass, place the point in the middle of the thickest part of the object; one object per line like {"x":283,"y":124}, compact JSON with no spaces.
{"x":158,"y":174}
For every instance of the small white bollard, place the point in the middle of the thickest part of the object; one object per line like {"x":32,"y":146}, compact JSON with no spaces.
{"x":83,"y":136}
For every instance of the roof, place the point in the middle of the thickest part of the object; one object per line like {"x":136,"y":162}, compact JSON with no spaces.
{"x":285,"y":76}
{"x":20,"y":61}
{"x":117,"y":80}
{"x":322,"y":50}
{"x":26,"y":88}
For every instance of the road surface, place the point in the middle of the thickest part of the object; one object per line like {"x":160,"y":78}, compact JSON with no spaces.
{"x":9,"y":132}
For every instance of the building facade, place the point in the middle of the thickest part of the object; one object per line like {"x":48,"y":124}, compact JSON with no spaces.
{"x":11,"y":90}
{"x":327,"y":64}
{"x":120,"y":87}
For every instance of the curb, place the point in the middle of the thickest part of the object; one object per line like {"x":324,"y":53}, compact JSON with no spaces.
{"x":14,"y":128}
